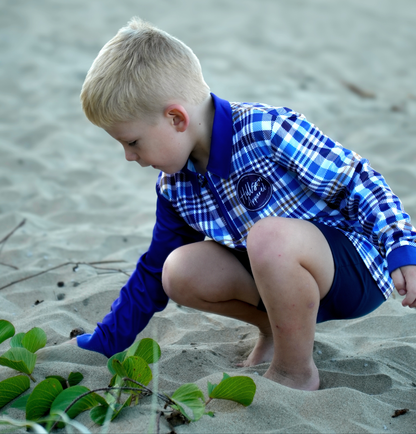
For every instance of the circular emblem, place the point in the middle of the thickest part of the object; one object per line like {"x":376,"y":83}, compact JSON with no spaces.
{"x":254,"y":191}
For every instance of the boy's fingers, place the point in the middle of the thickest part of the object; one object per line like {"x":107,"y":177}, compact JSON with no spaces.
{"x":409,"y":275}
{"x":399,"y":281}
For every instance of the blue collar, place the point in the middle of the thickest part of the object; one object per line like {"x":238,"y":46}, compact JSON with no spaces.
{"x":219,"y":162}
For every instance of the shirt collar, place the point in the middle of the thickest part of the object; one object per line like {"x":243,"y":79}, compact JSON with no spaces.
{"x":219,"y":162}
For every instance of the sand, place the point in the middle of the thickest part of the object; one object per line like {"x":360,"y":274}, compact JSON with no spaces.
{"x":348,"y":66}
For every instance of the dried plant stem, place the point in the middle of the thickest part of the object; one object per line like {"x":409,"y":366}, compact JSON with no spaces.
{"x":13,"y":231}
{"x":77,"y":264}
{"x":8,"y":265}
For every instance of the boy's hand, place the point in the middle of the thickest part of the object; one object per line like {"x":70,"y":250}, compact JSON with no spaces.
{"x":404,"y":279}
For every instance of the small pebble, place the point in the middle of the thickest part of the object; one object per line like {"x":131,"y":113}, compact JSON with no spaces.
{"x":76,"y":332}
{"x":60,"y":284}
{"x":76,"y":310}
{"x":60,"y":296}
{"x":319,"y":352}
{"x":365,"y":365}
{"x":384,"y":427}
{"x":255,"y":373}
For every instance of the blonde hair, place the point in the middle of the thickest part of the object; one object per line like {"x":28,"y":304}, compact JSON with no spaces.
{"x":137,"y":72}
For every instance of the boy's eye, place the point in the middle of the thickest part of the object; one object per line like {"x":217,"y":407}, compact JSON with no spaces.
{"x":134,"y":143}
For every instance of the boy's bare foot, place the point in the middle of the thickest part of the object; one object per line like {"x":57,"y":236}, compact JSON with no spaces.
{"x":262,"y":352}
{"x":306,"y":381}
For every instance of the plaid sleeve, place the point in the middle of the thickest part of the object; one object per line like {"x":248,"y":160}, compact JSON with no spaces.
{"x":344,"y":180}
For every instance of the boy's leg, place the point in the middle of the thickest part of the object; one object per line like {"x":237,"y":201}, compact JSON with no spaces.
{"x":293,"y":269}
{"x":208,"y":277}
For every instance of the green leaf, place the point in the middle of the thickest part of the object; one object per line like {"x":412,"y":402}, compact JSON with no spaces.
{"x":113,"y":380}
{"x":65,"y":398}
{"x":75,"y":378}
{"x":118,"y":368}
{"x":16,"y":340}
{"x":147,"y":349}
{"x":42,"y":397}
{"x":7,"y":330}
{"x":99,"y":413}
{"x":211,"y":387}
{"x":34,"y":339}
{"x":119,"y":356}
{"x":239,"y":389}
{"x":12,"y":388}
{"x":137,"y":369}
{"x":60,"y":379}
{"x":191,"y":396}
{"x":19,"y":359}
{"x":21,"y":402}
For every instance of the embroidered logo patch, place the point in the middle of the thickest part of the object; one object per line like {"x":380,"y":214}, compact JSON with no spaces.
{"x":254,"y":191}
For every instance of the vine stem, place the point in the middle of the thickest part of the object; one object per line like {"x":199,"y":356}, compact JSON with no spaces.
{"x":164,"y":398}
{"x":32,"y":378}
{"x":91,"y":264}
{"x":106,"y":389}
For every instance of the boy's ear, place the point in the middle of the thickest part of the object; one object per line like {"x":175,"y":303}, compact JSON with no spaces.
{"x":178,"y":116}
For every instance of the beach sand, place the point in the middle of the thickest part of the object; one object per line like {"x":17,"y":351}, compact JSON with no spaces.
{"x":348,"y":66}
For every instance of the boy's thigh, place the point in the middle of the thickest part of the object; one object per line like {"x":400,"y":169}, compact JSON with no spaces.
{"x":211,"y":270}
{"x":353,"y":292}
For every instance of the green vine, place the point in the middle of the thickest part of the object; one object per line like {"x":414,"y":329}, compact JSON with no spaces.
{"x":55,"y":401}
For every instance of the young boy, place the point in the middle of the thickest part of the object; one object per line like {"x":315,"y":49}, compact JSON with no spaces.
{"x":301,"y":230}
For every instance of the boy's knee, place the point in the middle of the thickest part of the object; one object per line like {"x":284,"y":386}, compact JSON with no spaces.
{"x":265,"y":232}
{"x":173,"y":274}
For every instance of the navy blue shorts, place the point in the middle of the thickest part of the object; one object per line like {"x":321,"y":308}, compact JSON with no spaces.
{"x":353,"y":294}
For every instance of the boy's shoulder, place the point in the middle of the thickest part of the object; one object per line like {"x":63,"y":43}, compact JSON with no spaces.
{"x":255,"y":111}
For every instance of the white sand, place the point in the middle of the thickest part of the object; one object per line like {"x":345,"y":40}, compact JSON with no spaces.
{"x":83,"y":202}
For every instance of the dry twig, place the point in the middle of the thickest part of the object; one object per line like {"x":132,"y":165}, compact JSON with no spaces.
{"x":357,"y":90}
{"x":77,"y":264}
{"x":13,"y":231}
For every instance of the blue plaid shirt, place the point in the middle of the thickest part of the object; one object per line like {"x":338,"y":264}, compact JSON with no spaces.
{"x":264,"y":161}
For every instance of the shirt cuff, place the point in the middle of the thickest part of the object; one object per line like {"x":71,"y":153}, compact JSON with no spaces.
{"x":90,"y":342}
{"x":400,"y":257}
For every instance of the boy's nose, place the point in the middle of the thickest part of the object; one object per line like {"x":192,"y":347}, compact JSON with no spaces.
{"x":130,"y":156}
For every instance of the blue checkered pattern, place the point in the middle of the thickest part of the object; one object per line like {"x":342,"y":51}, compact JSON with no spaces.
{"x":313,"y":178}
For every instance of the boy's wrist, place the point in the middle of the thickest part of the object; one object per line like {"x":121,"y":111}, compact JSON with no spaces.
{"x":400,"y":257}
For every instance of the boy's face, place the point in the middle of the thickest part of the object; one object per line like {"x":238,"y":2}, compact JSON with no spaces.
{"x":162,"y":145}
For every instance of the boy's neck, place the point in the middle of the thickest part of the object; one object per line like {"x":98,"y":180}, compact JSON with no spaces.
{"x":202,"y":120}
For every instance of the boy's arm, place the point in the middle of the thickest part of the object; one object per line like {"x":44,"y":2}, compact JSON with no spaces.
{"x":143,"y":294}
{"x":347,"y":182}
